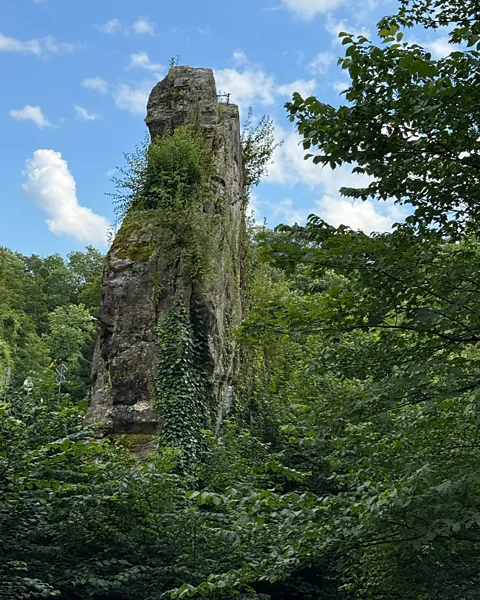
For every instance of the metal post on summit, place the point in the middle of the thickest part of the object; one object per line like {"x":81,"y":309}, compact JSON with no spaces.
{"x":61,"y":370}
{"x":222,"y":95}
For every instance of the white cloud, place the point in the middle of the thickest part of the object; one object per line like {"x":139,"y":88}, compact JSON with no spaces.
{"x":96,"y":84}
{"x":83,"y":114}
{"x":52,"y":187}
{"x":253,"y":85}
{"x":303,"y":87}
{"x":240,"y":57}
{"x":307,"y":9}
{"x":334,"y":27}
{"x":112,"y":26}
{"x":254,"y":212}
{"x":141,"y":60}
{"x":285,"y":212}
{"x":289,"y":168}
{"x":440,"y":47}
{"x":358,"y":215}
{"x":321,"y":63}
{"x":45,"y":46}
{"x":339,"y":86}
{"x":363,"y":12}
{"x":280,"y":212}
{"x":335,"y":210}
{"x":143,"y":26}
{"x":133,"y":99}
{"x":31,"y":113}
{"x":248,"y":87}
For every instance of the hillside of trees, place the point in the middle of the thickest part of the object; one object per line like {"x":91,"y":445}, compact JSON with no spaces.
{"x":352,"y":468}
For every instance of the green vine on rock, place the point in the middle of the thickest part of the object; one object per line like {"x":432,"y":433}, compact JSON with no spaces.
{"x":180,"y":384}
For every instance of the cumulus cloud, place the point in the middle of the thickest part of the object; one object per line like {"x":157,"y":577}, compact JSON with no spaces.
{"x":111,"y":26}
{"x":43,"y":47}
{"x":440,"y":47}
{"x":253,"y":85}
{"x":335,"y":26}
{"x":247,"y":87}
{"x":131,"y":98}
{"x":366,"y":216}
{"x":303,"y":87}
{"x":31,"y":113}
{"x":143,"y":26}
{"x":96,"y":84}
{"x":321,"y":63}
{"x":289,"y":168}
{"x":254,"y":210}
{"x":52,"y":187}
{"x":307,"y":9}
{"x":141,"y":60}
{"x":286,"y":212}
{"x":358,"y":215}
{"x":339,"y":86}
{"x":240,"y":57}
{"x":83,"y":114}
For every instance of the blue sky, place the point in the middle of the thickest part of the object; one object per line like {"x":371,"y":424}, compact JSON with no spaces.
{"x":76,"y":76}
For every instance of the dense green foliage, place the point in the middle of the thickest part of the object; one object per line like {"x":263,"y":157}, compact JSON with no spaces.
{"x":181,"y":383}
{"x":47,"y":313}
{"x":353,"y":468}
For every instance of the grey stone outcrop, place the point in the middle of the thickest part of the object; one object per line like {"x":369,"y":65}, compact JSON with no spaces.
{"x":126,"y":354}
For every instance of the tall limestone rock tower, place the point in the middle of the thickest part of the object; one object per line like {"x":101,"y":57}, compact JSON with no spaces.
{"x":172,"y":283}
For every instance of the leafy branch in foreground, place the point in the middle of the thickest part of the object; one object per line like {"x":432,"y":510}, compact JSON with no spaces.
{"x":258,"y":146}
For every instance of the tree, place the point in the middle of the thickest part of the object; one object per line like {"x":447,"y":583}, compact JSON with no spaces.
{"x":400,"y":320}
{"x":31,"y":289}
{"x":87,"y":269}
{"x":71,"y":333}
{"x":258,"y":146}
{"x":410,"y":125}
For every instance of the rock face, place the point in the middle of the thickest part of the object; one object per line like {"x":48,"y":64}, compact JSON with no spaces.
{"x":133,"y":304}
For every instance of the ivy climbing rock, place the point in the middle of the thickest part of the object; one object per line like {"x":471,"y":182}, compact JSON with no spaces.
{"x":173,"y":280}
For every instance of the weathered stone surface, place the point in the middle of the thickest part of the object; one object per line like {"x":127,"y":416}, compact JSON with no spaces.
{"x":126,"y":355}
{"x":187,"y":95}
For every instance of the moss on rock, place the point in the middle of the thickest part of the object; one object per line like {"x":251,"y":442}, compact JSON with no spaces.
{"x":137,"y":443}
{"x":134,"y":238}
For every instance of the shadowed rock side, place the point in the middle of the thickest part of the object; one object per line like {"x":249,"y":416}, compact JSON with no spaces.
{"x":126,"y":355}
